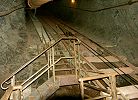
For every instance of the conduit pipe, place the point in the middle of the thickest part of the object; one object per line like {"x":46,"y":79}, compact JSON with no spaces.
{"x":37,"y":3}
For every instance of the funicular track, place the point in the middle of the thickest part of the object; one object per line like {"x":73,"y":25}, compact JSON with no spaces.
{"x":103,"y":56}
{"x":92,"y":65}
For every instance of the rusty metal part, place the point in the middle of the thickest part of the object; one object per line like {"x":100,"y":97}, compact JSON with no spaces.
{"x":7,"y":93}
{"x":37,"y":3}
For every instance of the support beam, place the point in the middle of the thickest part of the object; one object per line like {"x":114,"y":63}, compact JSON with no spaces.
{"x":101,"y":59}
{"x":82,"y":89}
{"x":108,"y":72}
{"x":112,"y":79}
{"x":96,"y":88}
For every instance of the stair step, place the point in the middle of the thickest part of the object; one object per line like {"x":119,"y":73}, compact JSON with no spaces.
{"x":46,"y":89}
{"x":65,"y":69}
{"x":58,"y":55}
{"x":62,"y":64}
{"x":31,"y":98}
{"x":101,"y":59}
{"x":67,"y":80}
{"x":130,"y":92}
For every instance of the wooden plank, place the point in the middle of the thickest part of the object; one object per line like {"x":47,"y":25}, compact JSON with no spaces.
{"x":31,"y":98}
{"x":113,"y":87}
{"x":116,"y":71}
{"x":65,"y":69}
{"x":126,"y":70}
{"x":96,"y":88}
{"x":129,"y":92}
{"x":101,"y":59}
{"x":107,"y":72}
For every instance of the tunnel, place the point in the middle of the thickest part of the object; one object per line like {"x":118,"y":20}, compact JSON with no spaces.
{"x":90,"y":42}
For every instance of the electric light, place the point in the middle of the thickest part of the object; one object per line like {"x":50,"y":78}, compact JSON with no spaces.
{"x":72,"y":1}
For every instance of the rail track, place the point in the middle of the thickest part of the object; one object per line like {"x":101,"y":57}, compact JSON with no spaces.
{"x":68,"y":53}
{"x":96,"y":56}
{"x":96,"y":49}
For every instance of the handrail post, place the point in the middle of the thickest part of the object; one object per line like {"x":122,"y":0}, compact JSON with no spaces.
{"x":50,"y":60}
{"x":82,"y":88}
{"x":112,"y":79}
{"x":79,"y":56}
{"x":49,"y":54}
{"x":53,"y":54}
{"x":12,"y":84}
{"x":75,"y":59}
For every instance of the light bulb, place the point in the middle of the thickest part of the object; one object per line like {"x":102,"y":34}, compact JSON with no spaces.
{"x":73,"y":1}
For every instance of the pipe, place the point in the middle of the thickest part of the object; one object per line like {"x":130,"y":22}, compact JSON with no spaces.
{"x":37,"y":3}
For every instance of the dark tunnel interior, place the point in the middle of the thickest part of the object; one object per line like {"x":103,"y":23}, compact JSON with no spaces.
{"x":110,"y":25}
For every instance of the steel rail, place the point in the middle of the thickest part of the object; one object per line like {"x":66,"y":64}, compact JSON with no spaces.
{"x":109,"y":61}
{"x":88,"y":63}
{"x":124,"y":62}
{"x":34,"y":74}
{"x":107,"y":51}
{"x":43,"y":72}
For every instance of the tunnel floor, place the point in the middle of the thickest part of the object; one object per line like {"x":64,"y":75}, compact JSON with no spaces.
{"x":66,"y":93}
{"x":66,"y":98}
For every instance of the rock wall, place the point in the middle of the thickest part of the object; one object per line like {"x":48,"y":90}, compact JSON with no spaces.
{"x":12,"y":36}
{"x":111,"y":23}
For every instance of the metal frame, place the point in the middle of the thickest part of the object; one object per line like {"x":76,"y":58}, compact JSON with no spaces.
{"x":51,"y":65}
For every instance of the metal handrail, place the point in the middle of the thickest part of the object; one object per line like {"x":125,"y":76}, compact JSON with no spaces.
{"x":42,"y":72}
{"x":32,"y":60}
{"x":34,"y":74}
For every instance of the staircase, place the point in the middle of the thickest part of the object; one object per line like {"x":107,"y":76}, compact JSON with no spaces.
{"x":67,"y":66}
{"x":50,"y":75}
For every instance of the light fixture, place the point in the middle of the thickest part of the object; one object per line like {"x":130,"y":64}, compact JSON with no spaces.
{"x":73,"y":1}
